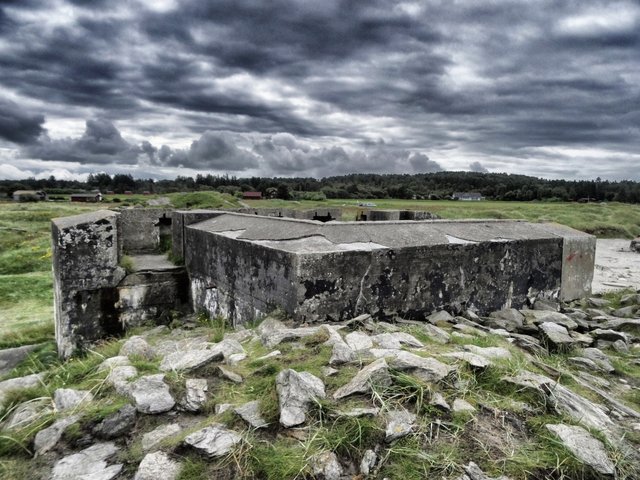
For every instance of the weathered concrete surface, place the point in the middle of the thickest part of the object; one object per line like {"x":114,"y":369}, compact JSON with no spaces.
{"x":141,"y":229}
{"x":86,"y":273}
{"x":242,"y":266}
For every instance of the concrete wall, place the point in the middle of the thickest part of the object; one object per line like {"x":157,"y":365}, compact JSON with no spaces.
{"x":139,"y":229}
{"x":86,"y":273}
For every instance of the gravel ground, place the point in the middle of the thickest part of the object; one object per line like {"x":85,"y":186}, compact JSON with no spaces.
{"x":616,"y":266}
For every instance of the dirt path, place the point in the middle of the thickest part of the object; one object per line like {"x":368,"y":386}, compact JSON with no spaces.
{"x":616,"y":266}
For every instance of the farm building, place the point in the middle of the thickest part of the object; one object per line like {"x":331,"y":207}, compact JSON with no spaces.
{"x":467,"y":196}
{"x":29,"y":196}
{"x":251,"y":195}
{"x":87,"y":197}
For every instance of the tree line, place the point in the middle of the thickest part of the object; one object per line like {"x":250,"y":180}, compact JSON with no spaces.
{"x":439,"y":185}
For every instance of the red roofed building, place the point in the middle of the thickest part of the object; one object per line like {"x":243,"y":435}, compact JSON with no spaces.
{"x":252,"y":195}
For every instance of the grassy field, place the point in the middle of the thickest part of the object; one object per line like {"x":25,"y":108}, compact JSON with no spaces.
{"x":26,"y":298}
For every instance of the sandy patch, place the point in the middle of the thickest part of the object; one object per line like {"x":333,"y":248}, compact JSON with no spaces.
{"x":617,"y":266}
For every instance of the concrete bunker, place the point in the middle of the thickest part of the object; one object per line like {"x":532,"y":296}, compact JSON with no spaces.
{"x":243,"y":265}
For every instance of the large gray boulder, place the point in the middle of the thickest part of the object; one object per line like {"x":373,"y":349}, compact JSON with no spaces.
{"x":556,"y":337}
{"x":137,"y":346}
{"x":374,"y":374}
{"x":156,"y":466}
{"x":584,"y":446}
{"x":296,"y":390}
{"x":49,"y":437}
{"x":90,"y":463}
{"x":151,"y":395}
{"x":213,"y":441}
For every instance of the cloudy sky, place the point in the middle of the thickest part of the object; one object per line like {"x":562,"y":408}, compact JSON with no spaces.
{"x":159,"y":88}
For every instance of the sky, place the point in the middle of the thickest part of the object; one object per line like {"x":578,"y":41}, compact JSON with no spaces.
{"x":161,"y":88}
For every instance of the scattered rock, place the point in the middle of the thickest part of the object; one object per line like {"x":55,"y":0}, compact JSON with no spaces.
{"x":274,"y":337}
{"x":195,"y":395}
{"x":152,"y":439}
{"x":151,"y":394}
{"x":325,"y":465}
{"x":360,"y":412}
{"x":342,"y":353}
{"x":473,"y":472}
{"x":440,"y":318}
{"x":368,"y":462}
{"x":329,"y":371}
{"x":425,"y":368}
{"x":584,"y":446}
{"x":556,"y":337}
{"x":358,"y":341}
{"x":474,"y":360}
{"x":26,"y":413}
{"x":376,"y":373}
{"x":630,"y":299}
{"x":620,"y":346}
{"x":116,"y":424}
{"x":157,"y":465}
{"x":275,"y":353}
{"x":89,"y":463}
{"x":600,"y":358}
{"x":510,"y":319}
{"x":193,"y":359}
{"x":12,"y":357}
{"x":597,"y":302}
{"x":395,"y":341}
{"x":250,"y":413}
{"x":610,"y":335}
{"x":537,"y":317}
{"x":229,"y":375}
{"x":400,"y":423}
{"x":296,"y":390}
{"x":112,"y":362}
{"x":582,"y":339}
{"x":436,"y":333}
{"x":235,"y":358}
{"x":491,"y":353}
{"x":625,"y":312}
{"x":120,"y":376}
{"x":213,"y":441}
{"x":68,"y":398}
{"x":49,"y":437}
{"x":19,"y":383}
{"x":462,"y":406}
{"x":137,"y":346}
{"x":438,"y":400}
{"x":223,"y":407}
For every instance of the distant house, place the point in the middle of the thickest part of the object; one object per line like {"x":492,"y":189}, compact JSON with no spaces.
{"x":252,"y":195}
{"x":86,"y":197}
{"x":29,"y":196}
{"x":467,"y":196}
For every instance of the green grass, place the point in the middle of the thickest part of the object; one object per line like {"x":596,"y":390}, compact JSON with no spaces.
{"x":206,"y":199}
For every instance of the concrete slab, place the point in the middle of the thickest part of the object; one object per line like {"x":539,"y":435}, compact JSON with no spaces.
{"x":616,"y":266}
{"x":158,"y":263}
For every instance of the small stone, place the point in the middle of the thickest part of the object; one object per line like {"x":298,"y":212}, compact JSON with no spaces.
{"x":400,"y":423}
{"x":49,"y":437}
{"x":584,"y":446}
{"x":195,"y":395}
{"x":598,"y":302}
{"x":235,"y":358}
{"x":296,"y":390}
{"x":396,"y":340}
{"x":368,"y":462}
{"x":68,"y":398}
{"x":610,"y":335}
{"x":193,"y":359}
{"x":360,"y":412}
{"x":116,"y":424}
{"x":510,"y":319}
{"x":223,"y":407}
{"x":112,"y":362}
{"x":462,"y":406}
{"x":620,"y":346}
{"x":626,"y":312}
{"x":213,"y":441}
{"x":358,"y":341}
{"x":425,"y":368}
{"x":151,"y":394}
{"x":19,"y":383}
{"x":153,"y":439}
{"x":329,"y":371}
{"x":229,"y":375}
{"x":376,"y":373}
{"x":275,"y":353}
{"x":137,"y":346}
{"x":89,"y":463}
{"x":12,"y":357}
{"x":556,"y":336}
{"x":273,"y":338}
{"x":157,"y":465}
{"x":491,"y":353}
{"x":582,"y":339}
{"x":436,"y":333}
{"x":438,"y":400}
{"x":600,"y":358}
{"x":120,"y":376}
{"x":342,"y":353}
{"x":26,"y":413}
{"x":473,"y":360}
{"x":325,"y":465}
{"x":440,"y":318}
{"x":250,"y":413}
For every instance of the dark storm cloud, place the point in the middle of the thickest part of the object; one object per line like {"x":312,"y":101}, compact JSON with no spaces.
{"x":231,"y":79}
{"x":18,"y":126}
{"x":101,"y":143}
{"x":477,"y":167}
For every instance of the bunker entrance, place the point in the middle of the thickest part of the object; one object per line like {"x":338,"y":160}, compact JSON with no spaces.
{"x":164,"y":233}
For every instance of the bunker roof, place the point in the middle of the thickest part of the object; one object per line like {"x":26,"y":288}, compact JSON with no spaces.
{"x":307,"y":236}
